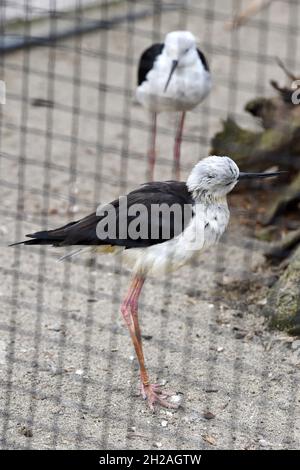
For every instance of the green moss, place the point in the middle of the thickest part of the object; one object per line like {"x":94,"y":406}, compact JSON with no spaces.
{"x":271,"y":139}
{"x":234,"y":141}
{"x":266,"y":234}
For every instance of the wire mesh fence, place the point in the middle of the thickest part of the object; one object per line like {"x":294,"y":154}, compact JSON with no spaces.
{"x":72,"y":136}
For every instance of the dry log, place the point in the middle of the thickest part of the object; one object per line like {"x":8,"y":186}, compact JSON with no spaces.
{"x":252,"y":9}
{"x":257,"y":151}
{"x":290,"y":194}
{"x":276,"y":144}
{"x":281,"y":249}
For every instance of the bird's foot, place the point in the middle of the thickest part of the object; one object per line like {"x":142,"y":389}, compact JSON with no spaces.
{"x":154,"y":394}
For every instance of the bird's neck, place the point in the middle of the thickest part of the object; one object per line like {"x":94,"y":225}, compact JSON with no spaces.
{"x":207,"y":198}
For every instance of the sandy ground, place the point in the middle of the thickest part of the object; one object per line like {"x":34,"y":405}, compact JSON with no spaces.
{"x":69,"y":378}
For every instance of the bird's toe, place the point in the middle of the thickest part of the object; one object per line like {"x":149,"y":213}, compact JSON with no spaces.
{"x":153,"y":393}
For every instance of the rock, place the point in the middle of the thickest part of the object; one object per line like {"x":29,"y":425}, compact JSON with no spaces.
{"x":26,"y":431}
{"x":147,"y":337}
{"x":209,"y":439}
{"x":176,"y":399}
{"x":263,"y":443}
{"x":283,"y":307}
{"x":262,"y":302}
{"x":295,"y":344}
{"x":239,"y":334}
{"x":208,"y":415}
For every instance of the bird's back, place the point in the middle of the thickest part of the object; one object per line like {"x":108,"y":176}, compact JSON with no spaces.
{"x":147,"y":60}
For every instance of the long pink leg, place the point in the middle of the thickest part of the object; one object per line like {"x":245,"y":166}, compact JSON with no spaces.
{"x":177,"y":146}
{"x":152,"y":149}
{"x":128,"y":306}
{"x":129,"y":309}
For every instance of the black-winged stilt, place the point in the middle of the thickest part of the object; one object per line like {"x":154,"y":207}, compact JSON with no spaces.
{"x":176,"y":220}
{"x":172,"y":76}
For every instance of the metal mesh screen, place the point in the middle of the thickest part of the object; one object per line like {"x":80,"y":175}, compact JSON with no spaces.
{"x":72,"y":136}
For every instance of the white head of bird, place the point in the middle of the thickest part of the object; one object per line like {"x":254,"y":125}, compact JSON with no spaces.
{"x":180,"y":48}
{"x":214,"y":177}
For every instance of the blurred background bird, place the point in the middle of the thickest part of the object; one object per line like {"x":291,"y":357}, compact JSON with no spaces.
{"x":172,"y":76}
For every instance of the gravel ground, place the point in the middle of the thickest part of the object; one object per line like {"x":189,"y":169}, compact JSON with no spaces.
{"x":68,"y":373}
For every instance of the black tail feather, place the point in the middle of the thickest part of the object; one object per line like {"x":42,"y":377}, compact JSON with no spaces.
{"x":36,"y":242}
{"x":41,"y":238}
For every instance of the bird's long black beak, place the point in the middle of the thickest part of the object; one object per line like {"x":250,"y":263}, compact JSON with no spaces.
{"x":174,"y":65}
{"x":248,"y":176}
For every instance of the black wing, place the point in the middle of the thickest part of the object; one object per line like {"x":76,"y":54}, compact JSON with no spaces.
{"x":159,"y":228}
{"x":147,"y":60}
{"x":203,"y":60}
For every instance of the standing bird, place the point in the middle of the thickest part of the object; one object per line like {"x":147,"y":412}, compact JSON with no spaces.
{"x":173,"y":76}
{"x":176,"y":220}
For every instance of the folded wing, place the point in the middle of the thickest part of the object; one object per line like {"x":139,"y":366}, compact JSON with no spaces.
{"x":161,"y":225}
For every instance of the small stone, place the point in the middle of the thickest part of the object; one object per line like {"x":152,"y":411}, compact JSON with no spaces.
{"x":79,"y":372}
{"x":147,"y":337}
{"x":240,"y":334}
{"x":176,"y":399}
{"x":262,"y":302}
{"x":158,"y":444}
{"x":220,"y":349}
{"x":26,"y":431}
{"x":209,"y":439}
{"x":263,"y":443}
{"x":208,"y":415}
{"x":164,"y":423}
{"x":73,"y":209}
